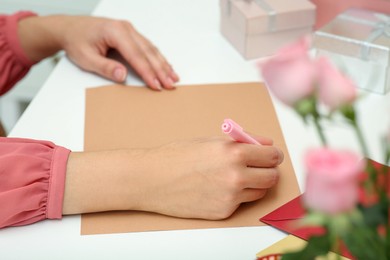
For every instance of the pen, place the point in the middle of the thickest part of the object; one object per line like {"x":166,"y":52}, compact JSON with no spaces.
{"x":236,"y":132}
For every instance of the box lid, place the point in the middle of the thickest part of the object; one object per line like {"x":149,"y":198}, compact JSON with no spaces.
{"x":261,"y":16}
{"x":357,"y":33}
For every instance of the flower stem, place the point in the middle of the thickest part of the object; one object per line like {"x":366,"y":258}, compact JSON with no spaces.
{"x":359,"y":135}
{"x":307,"y":108}
{"x":348,"y":111}
{"x":337,"y":248}
{"x":319,"y":129}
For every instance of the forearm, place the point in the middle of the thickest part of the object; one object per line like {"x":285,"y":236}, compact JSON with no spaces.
{"x":98,"y":181}
{"x":178,"y":179}
{"x":39,"y":36}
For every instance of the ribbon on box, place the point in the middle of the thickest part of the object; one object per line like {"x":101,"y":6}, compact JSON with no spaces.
{"x":380,"y":28}
{"x":263,"y":5}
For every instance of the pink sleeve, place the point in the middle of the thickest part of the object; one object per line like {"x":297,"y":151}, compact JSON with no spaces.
{"x":32,"y":181}
{"x":14,"y":63}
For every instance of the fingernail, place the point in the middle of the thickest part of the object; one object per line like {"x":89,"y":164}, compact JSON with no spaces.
{"x":170,"y":82}
{"x":119,"y":74}
{"x":157,"y":84}
{"x":281,"y":157}
{"x":174,"y":76}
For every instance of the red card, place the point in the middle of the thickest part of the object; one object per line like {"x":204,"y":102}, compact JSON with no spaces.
{"x":285,"y":218}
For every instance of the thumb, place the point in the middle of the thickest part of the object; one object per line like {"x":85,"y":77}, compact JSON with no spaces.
{"x":105,"y":67}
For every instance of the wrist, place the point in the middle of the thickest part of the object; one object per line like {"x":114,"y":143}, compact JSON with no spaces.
{"x":39,"y":36}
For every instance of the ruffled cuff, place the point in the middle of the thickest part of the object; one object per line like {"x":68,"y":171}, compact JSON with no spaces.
{"x":32,"y":181}
{"x":14,"y":64}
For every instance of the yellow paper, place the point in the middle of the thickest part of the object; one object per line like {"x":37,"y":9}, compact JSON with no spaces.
{"x":289,"y":244}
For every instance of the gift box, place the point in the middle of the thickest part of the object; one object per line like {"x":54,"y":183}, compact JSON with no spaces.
{"x":258,"y":28}
{"x":329,"y":9}
{"x":358,"y":41}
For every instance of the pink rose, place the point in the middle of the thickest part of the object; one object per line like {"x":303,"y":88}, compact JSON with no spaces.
{"x":335,"y":89}
{"x":290,"y":74}
{"x":332,"y":182}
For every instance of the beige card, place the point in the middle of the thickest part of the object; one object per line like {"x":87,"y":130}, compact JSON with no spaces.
{"x":290,"y":244}
{"x":128,"y":117}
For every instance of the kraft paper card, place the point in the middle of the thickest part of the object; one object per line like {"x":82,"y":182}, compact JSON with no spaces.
{"x":128,"y":117}
{"x":289,"y":244}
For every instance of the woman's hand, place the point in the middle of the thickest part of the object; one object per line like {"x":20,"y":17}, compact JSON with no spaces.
{"x":87,"y":40}
{"x":203,"y":178}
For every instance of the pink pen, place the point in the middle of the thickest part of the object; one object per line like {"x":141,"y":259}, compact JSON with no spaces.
{"x":236,"y":132}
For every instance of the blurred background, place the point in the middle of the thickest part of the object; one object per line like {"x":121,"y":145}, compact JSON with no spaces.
{"x":15,"y":101}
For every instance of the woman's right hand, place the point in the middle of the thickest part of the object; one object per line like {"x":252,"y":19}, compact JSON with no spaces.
{"x":203,"y":178}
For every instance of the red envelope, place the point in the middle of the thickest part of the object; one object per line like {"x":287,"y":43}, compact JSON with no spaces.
{"x":285,"y":217}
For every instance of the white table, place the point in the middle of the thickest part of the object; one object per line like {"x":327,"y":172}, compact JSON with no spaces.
{"x":187,"y":32}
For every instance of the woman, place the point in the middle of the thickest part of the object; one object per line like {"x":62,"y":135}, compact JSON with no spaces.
{"x":203,"y":178}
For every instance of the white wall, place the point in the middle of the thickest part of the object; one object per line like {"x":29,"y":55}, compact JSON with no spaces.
{"x":45,"y":7}
{"x":15,"y":101}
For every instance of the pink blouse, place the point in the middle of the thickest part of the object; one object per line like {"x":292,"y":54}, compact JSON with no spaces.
{"x":32,"y":173}
{"x":14,"y":64}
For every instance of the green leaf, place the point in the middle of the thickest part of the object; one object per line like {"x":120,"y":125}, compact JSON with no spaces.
{"x":363,"y":240}
{"x":339,"y":224}
{"x":348,"y":112}
{"x":374,"y":215}
{"x":363,"y":243}
{"x":305,"y":107}
{"x":314,"y":218}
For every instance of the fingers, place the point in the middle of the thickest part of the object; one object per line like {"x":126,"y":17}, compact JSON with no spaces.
{"x":164,"y":71}
{"x":87,"y":40}
{"x":259,"y":156}
{"x":145,"y":58}
{"x":249,"y":195}
{"x":254,"y":178}
{"x":105,"y":67}
{"x":259,"y":171}
{"x":253,"y":183}
{"x":261,"y":178}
